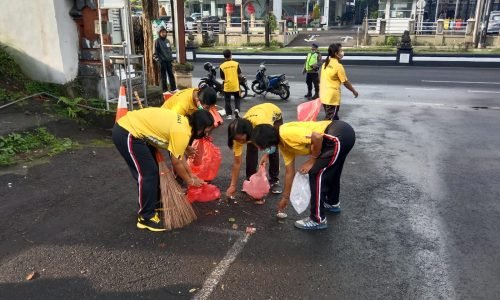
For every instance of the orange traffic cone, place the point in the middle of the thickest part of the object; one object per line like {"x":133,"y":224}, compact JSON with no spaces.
{"x":121,"y":108}
{"x":167,"y":95}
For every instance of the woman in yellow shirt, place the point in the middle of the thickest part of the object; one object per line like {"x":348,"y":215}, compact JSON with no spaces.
{"x":332,"y":76}
{"x":327,"y":143}
{"x":239,"y":132}
{"x":187,"y":101}
{"x":137,"y":135}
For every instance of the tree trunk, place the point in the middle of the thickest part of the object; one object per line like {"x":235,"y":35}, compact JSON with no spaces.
{"x":150,"y":13}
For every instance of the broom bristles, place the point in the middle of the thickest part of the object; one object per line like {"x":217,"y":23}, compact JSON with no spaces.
{"x":177,"y":211}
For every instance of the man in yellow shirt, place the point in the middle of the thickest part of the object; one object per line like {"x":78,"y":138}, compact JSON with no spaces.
{"x":239,"y":133}
{"x":332,"y":76}
{"x":137,"y":135}
{"x":230,"y":72}
{"x":327,"y":143}
{"x":187,"y":101}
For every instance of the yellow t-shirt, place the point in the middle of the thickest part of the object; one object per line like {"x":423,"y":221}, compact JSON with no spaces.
{"x":231,"y":81}
{"x":295,"y":138}
{"x":330,"y":83}
{"x":265,"y":113}
{"x":182,"y":102}
{"x":160,"y":127}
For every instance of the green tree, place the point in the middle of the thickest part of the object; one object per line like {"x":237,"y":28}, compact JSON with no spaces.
{"x":316,"y":13}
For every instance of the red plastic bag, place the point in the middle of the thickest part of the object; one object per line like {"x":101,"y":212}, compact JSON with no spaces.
{"x":308,"y":111}
{"x":217,"y":118}
{"x":258,"y":185}
{"x":204,"y":193}
{"x":197,"y":159}
{"x":210,"y":161}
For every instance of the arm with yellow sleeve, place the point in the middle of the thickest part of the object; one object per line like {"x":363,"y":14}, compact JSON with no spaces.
{"x":235,"y":170}
{"x":316,"y":145}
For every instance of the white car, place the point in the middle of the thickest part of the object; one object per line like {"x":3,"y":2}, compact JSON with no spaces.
{"x":189,"y":23}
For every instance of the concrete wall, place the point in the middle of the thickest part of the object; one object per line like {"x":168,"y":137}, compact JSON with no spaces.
{"x":42,"y":37}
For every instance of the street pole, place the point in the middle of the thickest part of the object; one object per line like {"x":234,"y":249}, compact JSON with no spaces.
{"x":180,"y":33}
{"x":478,"y":16}
{"x":307,"y":13}
{"x":267,"y":24}
{"x":484,"y":24}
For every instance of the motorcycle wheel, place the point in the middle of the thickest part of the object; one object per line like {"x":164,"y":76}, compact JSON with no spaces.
{"x":284,"y":92}
{"x":256,"y":89}
{"x":243,"y":90}
{"x":201,"y":84}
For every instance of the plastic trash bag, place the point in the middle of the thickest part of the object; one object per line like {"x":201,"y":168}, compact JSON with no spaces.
{"x":258,"y":185}
{"x":308,"y":111}
{"x":210,"y":161}
{"x":197,"y":159}
{"x":301,"y":192}
{"x":204,"y":193}
{"x":217,"y":117}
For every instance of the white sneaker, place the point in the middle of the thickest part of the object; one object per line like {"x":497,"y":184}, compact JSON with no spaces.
{"x":236,"y":113}
{"x":310,"y":224}
{"x":229,"y":117}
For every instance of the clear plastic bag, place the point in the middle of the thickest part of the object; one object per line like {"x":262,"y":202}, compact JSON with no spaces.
{"x":301,"y":192}
{"x":258,"y":186}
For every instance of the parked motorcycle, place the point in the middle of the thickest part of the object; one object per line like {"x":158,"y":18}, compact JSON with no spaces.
{"x":275,"y":84}
{"x":211,"y":80}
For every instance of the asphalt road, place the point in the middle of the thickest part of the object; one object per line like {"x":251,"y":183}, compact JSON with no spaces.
{"x":419,"y":195}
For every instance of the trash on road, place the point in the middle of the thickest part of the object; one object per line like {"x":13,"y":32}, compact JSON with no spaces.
{"x":32,"y":275}
{"x":250,"y":230}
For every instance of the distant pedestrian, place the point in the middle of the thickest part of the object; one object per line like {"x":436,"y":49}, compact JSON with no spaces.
{"x":332,"y":76}
{"x":163,"y":55}
{"x":311,"y":69}
{"x":229,"y":72}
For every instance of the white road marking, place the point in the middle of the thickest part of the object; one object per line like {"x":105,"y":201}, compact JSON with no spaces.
{"x":216,"y":275}
{"x":466,"y":82}
{"x":421,"y":89}
{"x":486,"y":92}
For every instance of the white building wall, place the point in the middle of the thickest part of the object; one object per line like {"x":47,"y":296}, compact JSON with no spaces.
{"x":42,"y":37}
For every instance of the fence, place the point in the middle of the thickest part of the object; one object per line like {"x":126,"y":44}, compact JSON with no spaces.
{"x":398,"y":26}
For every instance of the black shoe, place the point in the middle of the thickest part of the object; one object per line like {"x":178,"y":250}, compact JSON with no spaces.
{"x":153,"y":224}
{"x":316,"y":96}
{"x":307,"y":95}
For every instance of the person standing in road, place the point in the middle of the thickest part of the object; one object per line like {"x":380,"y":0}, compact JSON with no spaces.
{"x":229,"y":72}
{"x":311,"y":69}
{"x":327,"y":143}
{"x":332,"y":77}
{"x":239,"y":133}
{"x":163,"y":55}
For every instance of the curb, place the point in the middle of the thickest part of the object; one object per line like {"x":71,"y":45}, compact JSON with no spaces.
{"x":378,"y":59}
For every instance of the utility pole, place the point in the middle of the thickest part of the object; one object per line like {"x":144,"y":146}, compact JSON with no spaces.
{"x":267,"y":24}
{"x":180,"y":33}
{"x":484,"y":23}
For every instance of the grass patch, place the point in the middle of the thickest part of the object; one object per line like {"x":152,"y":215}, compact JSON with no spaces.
{"x":26,"y":146}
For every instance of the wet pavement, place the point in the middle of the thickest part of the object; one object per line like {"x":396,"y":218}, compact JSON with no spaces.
{"x":419,"y":195}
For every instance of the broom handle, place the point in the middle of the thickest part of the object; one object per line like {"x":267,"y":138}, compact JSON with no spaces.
{"x":138,"y":99}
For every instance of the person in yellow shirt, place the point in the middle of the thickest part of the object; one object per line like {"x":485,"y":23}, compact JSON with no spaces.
{"x":230,"y":72}
{"x":332,"y":76}
{"x":239,"y":132}
{"x":139,"y":133}
{"x":327,"y":144}
{"x":187,"y":101}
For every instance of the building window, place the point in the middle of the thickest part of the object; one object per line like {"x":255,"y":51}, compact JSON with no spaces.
{"x":401,"y":8}
{"x":381,"y":9}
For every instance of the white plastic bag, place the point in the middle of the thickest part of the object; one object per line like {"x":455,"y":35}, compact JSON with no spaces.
{"x":301,"y":193}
